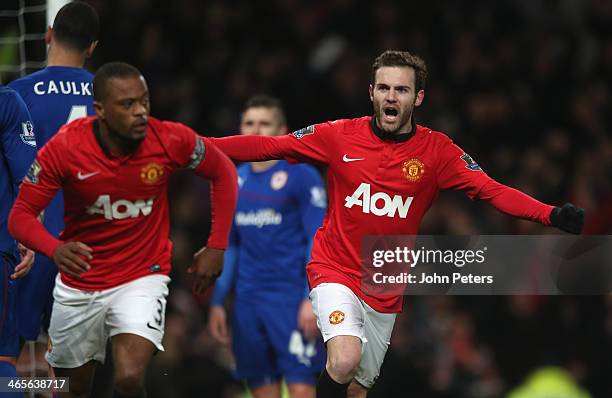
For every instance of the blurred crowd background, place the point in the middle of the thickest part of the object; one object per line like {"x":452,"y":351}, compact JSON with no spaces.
{"x":524,"y":86}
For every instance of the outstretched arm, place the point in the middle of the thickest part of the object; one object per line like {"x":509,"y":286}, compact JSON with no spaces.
{"x":568,"y":218}
{"x":312,"y":144}
{"x":514,"y":202}
{"x":254,"y":148}
{"x":458,"y":170}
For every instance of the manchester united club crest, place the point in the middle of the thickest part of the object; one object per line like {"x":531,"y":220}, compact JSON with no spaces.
{"x":151,"y":173}
{"x":336,"y":317}
{"x":413,"y":169}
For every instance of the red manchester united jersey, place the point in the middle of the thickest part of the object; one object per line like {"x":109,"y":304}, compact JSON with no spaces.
{"x":116,"y":205}
{"x":379,"y":187}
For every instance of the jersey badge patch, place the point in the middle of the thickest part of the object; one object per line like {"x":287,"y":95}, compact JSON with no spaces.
{"x":413,"y":169}
{"x":278,"y":180}
{"x":151,"y":173}
{"x":336,"y":317}
{"x":470,"y":163}
{"x":198,"y":154}
{"x":33,"y":172}
{"x":27,"y":134}
{"x":299,"y":134}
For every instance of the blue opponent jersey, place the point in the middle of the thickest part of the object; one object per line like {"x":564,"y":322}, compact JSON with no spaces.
{"x":17,"y":152}
{"x":55,"y":96}
{"x":277,"y":215}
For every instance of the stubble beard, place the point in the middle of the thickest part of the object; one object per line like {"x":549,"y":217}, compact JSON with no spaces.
{"x":395,"y":128}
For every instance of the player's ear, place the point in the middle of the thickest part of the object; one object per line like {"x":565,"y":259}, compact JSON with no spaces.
{"x":91,"y":48}
{"x":48,"y":35}
{"x":99,"y":110}
{"x":419,"y":98}
{"x":371,"y":91}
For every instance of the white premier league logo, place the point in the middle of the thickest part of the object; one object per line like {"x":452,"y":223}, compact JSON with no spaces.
{"x":27,"y":134}
{"x":278,"y":180}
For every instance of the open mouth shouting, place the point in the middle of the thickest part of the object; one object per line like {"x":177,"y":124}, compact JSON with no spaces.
{"x":390,"y":115}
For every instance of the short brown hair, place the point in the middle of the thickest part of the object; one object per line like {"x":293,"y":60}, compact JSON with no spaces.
{"x":402,"y":58}
{"x":266,"y":101}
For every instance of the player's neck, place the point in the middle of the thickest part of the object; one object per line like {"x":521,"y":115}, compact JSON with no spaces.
{"x":258,"y":167}
{"x":112,"y":144}
{"x":59,"y":56}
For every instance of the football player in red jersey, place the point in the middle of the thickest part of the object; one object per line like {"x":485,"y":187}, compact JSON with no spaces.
{"x":384,"y":172}
{"x":114,"y":253}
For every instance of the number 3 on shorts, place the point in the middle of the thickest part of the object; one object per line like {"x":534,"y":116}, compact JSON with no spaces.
{"x":158,"y":318}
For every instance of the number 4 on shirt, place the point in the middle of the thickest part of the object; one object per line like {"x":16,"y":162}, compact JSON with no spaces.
{"x":76,"y":112}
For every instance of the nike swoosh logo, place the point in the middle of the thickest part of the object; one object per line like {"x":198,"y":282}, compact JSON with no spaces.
{"x":152,"y":327}
{"x":347,"y":159}
{"x":82,"y":176}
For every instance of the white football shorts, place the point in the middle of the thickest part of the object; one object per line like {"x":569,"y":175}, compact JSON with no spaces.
{"x":340,"y":312}
{"x":82,"y":321}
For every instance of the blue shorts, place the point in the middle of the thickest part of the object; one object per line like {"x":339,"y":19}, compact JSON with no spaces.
{"x":269,"y":346}
{"x":35,"y":298}
{"x":9,"y":336}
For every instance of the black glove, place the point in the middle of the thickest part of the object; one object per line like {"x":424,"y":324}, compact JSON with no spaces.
{"x":568,"y":218}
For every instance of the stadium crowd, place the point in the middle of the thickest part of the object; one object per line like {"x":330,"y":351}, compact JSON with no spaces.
{"x":521,"y":85}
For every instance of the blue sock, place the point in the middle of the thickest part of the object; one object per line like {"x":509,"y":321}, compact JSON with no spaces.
{"x":8,"y":370}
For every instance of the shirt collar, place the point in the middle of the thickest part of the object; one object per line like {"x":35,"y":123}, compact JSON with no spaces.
{"x":396,"y":137}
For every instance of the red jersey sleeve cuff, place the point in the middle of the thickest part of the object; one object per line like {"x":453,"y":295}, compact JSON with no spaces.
{"x":215,"y":244}
{"x":49,"y":247}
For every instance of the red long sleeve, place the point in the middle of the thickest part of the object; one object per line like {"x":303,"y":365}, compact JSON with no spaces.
{"x":251,"y":148}
{"x":38,"y":189}
{"x":514,"y":202}
{"x":457,"y":170}
{"x":312,"y":144}
{"x":224,"y":193}
{"x":24,"y":225}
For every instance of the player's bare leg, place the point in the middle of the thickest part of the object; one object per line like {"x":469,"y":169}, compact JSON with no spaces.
{"x":356,"y":390}
{"x":80,"y":379}
{"x":343,"y":357}
{"x":301,"y":390}
{"x":131,"y":356}
{"x":268,"y":390}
